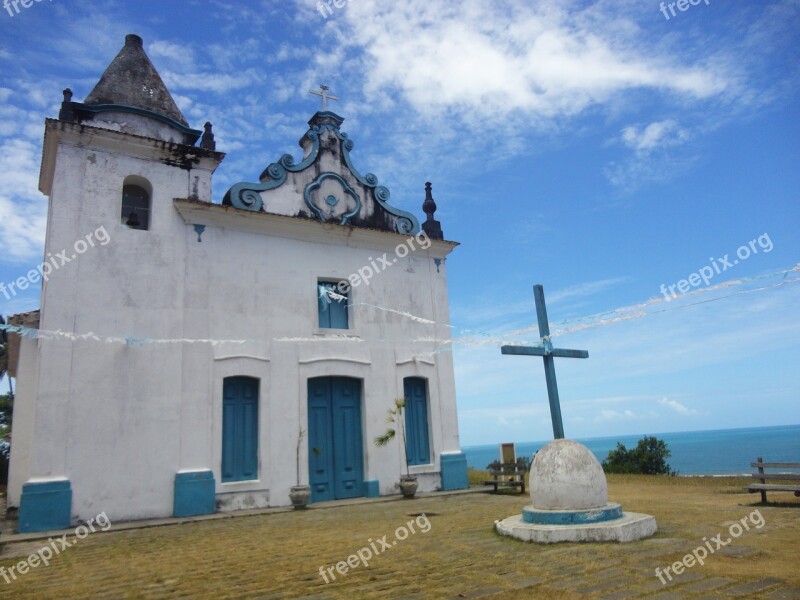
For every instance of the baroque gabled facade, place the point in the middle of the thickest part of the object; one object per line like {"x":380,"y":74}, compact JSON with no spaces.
{"x":235,"y":348}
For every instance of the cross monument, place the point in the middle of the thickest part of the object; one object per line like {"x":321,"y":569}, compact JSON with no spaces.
{"x":323,"y":92}
{"x":548,"y":353}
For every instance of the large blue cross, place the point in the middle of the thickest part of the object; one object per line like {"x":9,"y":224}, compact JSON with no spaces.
{"x":547,"y":352}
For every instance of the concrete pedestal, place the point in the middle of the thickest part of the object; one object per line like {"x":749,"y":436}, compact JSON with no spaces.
{"x":570,"y":503}
{"x":630,"y":527}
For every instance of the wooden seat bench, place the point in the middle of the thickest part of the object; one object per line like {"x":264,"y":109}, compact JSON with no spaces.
{"x":762,"y":477}
{"x":508,"y":475}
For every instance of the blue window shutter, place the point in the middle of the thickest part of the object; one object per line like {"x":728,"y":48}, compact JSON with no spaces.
{"x":228,"y":435}
{"x":416,"y":411}
{"x":249,"y":429}
{"x":323,"y":306}
{"x":239,"y":429}
{"x":338,"y":310}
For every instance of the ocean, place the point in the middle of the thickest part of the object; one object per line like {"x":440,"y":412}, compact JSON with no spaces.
{"x":716,"y":452}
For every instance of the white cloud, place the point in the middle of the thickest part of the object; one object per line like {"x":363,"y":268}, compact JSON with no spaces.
{"x":23,"y":210}
{"x":654,"y":158}
{"x":630,"y":174}
{"x":177,"y":55}
{"x":585,"y":289}
{"x":10,"y":120}
{"x":185,"y":103}
{"x":518,"y":75}
{"x":291,"y":52}
{"x":656,"y":135}
{"x":615,"y":415}
{"x":211,"y":82}
{"x":678,"y":407}
{"x":491,"y":309}
{"x":535,"y":60}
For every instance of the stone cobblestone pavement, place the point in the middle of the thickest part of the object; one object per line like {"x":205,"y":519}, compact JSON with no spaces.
{"x":279,"y":554}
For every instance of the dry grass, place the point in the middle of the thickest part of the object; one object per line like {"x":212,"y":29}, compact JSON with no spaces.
{"x":696,"y":507}
{"x":279,"y":555}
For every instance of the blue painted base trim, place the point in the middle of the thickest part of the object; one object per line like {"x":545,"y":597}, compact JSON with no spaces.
{"x":609,"y":512}
{"x":372,"y":488}
{"x":45,"y":506}
{"x":454,"y":471}
{"x":194,"y":494}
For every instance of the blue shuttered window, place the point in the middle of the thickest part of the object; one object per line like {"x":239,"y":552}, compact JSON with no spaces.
{"x":416,"y":411}
{"x":239,"y":429}
{"x":332,"y":306}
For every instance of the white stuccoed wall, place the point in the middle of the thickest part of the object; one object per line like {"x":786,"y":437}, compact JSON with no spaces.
{"x":119,"y":421}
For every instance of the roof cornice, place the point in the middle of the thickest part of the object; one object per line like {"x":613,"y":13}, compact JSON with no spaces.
{"x":100,"y":108}
{"x":198,"y":212}
{"x":175,"y":154}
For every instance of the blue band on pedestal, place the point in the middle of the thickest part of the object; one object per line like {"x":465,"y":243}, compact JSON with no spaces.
{"x":609,"y":512}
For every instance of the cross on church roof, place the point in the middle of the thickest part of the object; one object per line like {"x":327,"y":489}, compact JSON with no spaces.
{"x":547,"y":352}
{"x":325,"y":96}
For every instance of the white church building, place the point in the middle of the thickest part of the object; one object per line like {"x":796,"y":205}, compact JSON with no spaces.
{"x":201,"y":357}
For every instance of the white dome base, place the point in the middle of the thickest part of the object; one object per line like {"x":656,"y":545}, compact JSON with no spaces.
{"x":631,"y":527}
{"x":566,"y":475}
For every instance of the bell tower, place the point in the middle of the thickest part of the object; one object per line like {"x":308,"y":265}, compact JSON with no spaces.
{"x":112,"y":167}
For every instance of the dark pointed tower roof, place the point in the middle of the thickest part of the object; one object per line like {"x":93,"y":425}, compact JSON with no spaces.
{"x":132,"y":80}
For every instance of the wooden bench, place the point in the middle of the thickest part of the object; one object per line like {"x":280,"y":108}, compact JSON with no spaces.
{"x":765,"y":487}
{"x":508,"y":475}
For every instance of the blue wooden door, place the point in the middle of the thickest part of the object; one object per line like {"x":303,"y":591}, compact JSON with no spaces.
{"x":416,"y":411}
{"x":320,"y":440}
{"x":347,"y":445}
{"x":334,"y":437}
{"x":239,"y":429}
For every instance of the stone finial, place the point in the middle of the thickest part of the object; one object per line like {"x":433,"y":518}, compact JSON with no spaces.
{"x":66,"y":113}
{"x":133,"y":40}
{"x":429,"y":206}
{"x":207,"y":141}
{"x":431,"y":226}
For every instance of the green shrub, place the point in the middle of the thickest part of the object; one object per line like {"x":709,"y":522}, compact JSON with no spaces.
{"x":648,"y":458}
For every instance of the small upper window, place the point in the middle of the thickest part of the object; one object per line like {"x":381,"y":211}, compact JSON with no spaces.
{"x":333,"y":299}
{"x":135,"y":207}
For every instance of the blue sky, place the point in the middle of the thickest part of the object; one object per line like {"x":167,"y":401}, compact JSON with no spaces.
{"x":597,"y":148}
